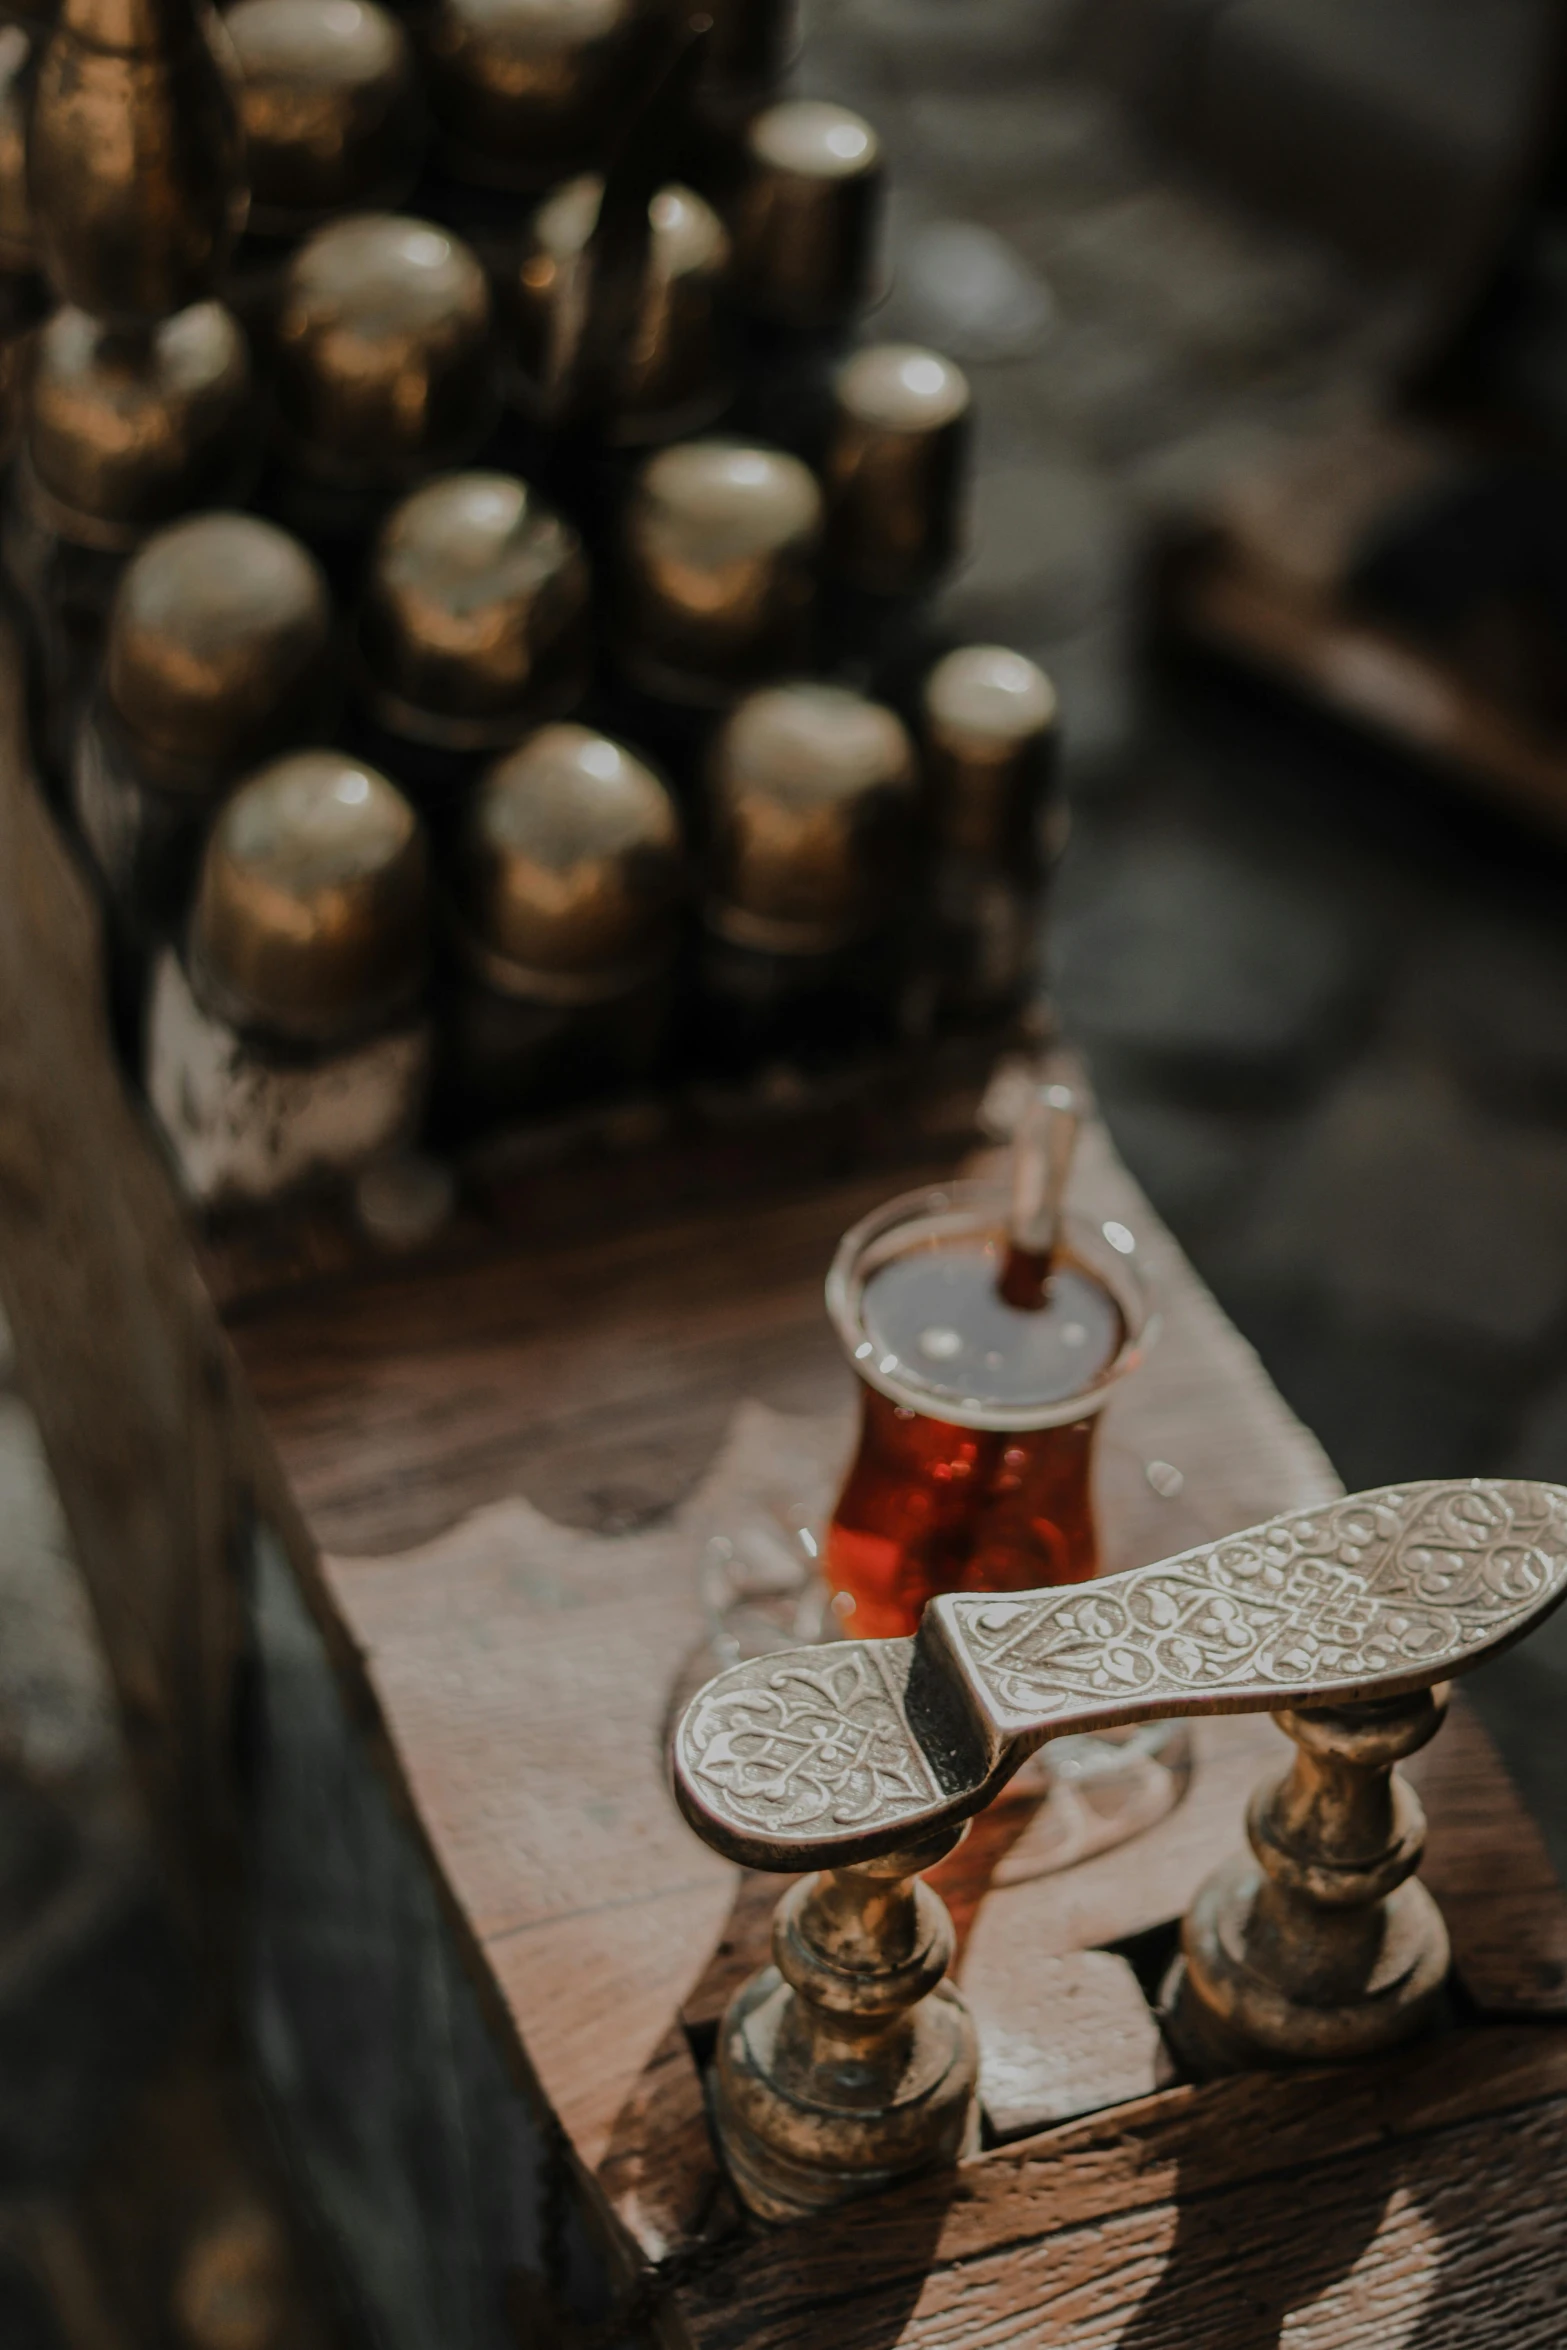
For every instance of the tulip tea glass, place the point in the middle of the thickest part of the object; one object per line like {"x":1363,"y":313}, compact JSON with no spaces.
{"x":979,"y":1403}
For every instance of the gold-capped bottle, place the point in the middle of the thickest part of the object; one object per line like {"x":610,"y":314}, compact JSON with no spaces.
{"x":289,"y":1042}
{"x":139,"y":399}
{"x":135,"y":158}
{"x":675,"y":371}
{"x":813,"y":817}
{"x":122,"y":434}
{"x":24,"y":297}
{"x":806,"y":220}
{"x":333,"y":122}
{"x":894,"y":468}
{"x":330,"y":105}
{"x":384,"y":370}
{"x":808,"y":215}
{"x":719,"y":558}
{"x":566,"y":898}
{"x":527,"y":93}
{"x":218,"y":653}
{"x":474,"y":627}
{"x":989,"y":723}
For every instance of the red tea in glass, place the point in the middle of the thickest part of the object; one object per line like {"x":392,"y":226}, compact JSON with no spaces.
{"x":978,"y":1413}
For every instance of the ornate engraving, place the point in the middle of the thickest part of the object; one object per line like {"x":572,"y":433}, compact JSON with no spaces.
{"x":783,"y":1746}
{"x":848,"y":1750}
{"x":1409,"y":1582}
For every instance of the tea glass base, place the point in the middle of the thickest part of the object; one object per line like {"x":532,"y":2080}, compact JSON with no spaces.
{"x":763,"y":1595}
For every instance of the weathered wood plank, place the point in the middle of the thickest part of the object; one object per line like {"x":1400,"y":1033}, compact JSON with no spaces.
{"x":1222,"y":2208}
{"x":1487,"y":1864}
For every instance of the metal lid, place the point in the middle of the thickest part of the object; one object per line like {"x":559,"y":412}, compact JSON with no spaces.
{"x":990,"y":718}
{"x":475,"y":620}
{"x":124,"y":434}
{"x":813,"y":812}
{"x":673,"y":375}
{"x":527,"y":92}
{"x":894,"y":466}
{"x":383,"y":351}
{"x":218,"y":647}
{"x":18,"y":242}
{"x":571,"y":868}
{"x":808,"y":212}
{"x":330,"y":110}
{"x":311,"y":915}
{"x":719,"y":567}
{"x":135,"y":157}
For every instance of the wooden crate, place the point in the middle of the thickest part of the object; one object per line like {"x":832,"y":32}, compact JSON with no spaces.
{"x":399,"y":1573}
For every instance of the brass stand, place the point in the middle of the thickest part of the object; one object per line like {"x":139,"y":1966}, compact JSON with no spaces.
{"x":849,"y":2063}
{"x":1323,"y":1948}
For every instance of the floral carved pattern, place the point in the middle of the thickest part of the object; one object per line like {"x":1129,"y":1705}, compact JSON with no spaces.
{"x":1405,"y":1582}
{"x":785,"y":1746}
{"x":826,"y":1751}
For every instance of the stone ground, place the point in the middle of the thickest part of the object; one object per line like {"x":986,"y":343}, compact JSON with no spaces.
{"x":1326,"y":1005}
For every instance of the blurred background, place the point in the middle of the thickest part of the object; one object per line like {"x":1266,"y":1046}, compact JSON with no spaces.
{"x":1265,"y":307}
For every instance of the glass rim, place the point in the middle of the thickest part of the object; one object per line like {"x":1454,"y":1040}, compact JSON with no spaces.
{"x":1105,"y":1246}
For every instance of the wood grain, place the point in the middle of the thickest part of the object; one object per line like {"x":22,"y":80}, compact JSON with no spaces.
{"x":1220,"y":2210}
{"x":1487,"y":1864}
{"x":596,"y":1377}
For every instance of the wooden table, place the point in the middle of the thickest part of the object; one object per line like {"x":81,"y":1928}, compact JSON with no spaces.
{"x":398,"y":1578}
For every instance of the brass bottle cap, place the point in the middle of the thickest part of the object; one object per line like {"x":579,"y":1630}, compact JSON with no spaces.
{"x":528,"y":92}
{"x":330,"y":109}
{"x":383,"y":351}
{"x":813,"y":813}
{"x":135,"y":157}
{"x":124,"y":433}
{"x":894,"y":467}
{"x":990,"y":719}
{"x":311,"y":915}
{"x":475,"y":621}
{"x":571,"y":869}
{"x":719,"y":568}
{"x":673,"y":376}
{"x":808,"y":213}
{"x":18,"y":241}
{"x":219,"y":640}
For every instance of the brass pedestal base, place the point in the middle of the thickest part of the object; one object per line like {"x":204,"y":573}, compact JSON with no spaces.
{"x":849,"y":2063}
{"x":1322,"y":1949}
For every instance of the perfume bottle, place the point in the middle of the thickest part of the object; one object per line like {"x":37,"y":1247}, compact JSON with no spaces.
{"x":806,"y":219}
{"x":122,"y":434}
{"x":287,"y":1037}
{"x":811,"y":817}
{"x":474,"y":626}
{"x":989,"y":730}
{"x":987,"y":1334}
{"x":527,"y":93}
{"x":674,"y":369}
{"x":716,"y":588}
{"x":24,"y":297}
{"x":384,"y":373}
{"x":563,"y":930}
{"x":139,"y":400}
{"x":333,"y":122}
{"x":894,"y":468}
{"x":219,"y":653}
